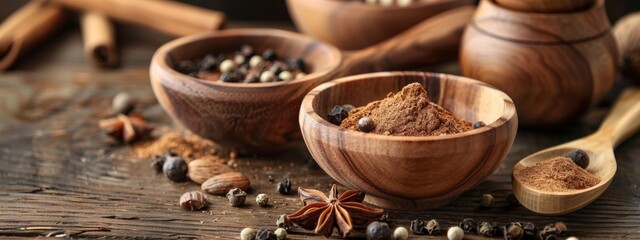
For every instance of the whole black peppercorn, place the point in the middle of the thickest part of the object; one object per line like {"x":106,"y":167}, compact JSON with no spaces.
{"x":530,"y":231}
{"x":283,"y":222}
{"x":266,"y":235}
{"x":468,"y":225}
{"x":560,"y":227}
{"x":296,"y":63}
{"x":284,"y":187}
{"x":208,"y":63}
{"x":228,"y":77}
{"x":337,"y":115}
{"x":378,"y":231}
{"x":513,"y":231}
{"x":276,"y":68}
{"x":433,"y":227}
{"x":175,"y":168}
{"x":236,"y":197}
{"x":246,"y":51}
{"x":187,"y":67}
{"x":365,"y":124}
{"x":478,"y":124}
{"x":580,"y":158}
{"x":157,"y":162}
{"x":418,"y":227}
{"x":549,"y":232}
{"x":489,"y":229}
{"x":269,"y":55}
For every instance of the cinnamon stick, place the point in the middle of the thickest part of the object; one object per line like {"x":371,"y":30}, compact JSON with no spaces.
{"x":99,"y":39}
{"x":174,"y":18}
{"x":27,"y":27}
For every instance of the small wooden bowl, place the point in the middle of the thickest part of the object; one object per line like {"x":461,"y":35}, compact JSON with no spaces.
{"x":410,"y":172}
{"x":257,"y":118}
{"x":351,"y":25}
{"x":546,"y":6}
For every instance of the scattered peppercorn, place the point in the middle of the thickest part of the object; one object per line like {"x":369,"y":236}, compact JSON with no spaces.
{"x":401,"y":233}
{"x":572,"y":238}
{"x":561,"y":228}
{"x":489,"y":229}
{"x":549,"y":232}
{"x":365,"y":124}
{"x":418,"y":227}
{"x":175,"y":168}
{"x":337,"y":115}
{"x":455,"y":233}
{"x":247,"y":234}
{"x":284,"y":187}
{"x":580,"y":158}
{"x":122,"y":103}
{"x":478,"y":124}
{"x":193,"y":200}
{"x":269,"y":55}
{"x":262,"y":199}
{"x":513,"y":231}
{"x":265,"y":235}
{"x":157,"y":162}
{"x":433,"y":227}
{"x":384,"y":218}
{"x":378,"y":231}
{"x":236,"y":197}
{"x":530,"y":231}
{"x":283,"y":222}
{"x":468,"y":225}
{"x":281,"y":233}
{"x":487,"y":200}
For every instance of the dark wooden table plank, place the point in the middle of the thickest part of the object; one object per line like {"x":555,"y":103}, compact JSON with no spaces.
{"x":58,"y":173}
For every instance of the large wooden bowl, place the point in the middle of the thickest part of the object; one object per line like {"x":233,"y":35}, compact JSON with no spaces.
{"x":257,"y":118}
{"x":546,"y":6}
{"x":410,"y":172}
{"x":351,"y":25}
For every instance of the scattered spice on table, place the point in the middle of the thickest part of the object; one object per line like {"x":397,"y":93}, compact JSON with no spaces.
{"x":193,"y":200}
{"x":378,"y":231}
{"x":126,"y":128}
{"x":189,"y":147}
{"x":406,"y":113}
{"x":558,"y":174}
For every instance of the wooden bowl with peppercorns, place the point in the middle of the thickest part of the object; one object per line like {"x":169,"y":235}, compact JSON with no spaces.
{"x":255,"y":118}
{"x":410,"y":172}
{"x":355,"y":24}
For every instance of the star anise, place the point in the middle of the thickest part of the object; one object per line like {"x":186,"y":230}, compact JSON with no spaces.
{"x":126,"y":128}
{"x":323,"y":214}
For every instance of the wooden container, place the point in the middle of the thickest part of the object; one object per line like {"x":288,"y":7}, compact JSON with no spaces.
{"x":351,"y":25}
{"x":546,"y":6}
{"x":410,"y":172}
{"x":554,"y":66}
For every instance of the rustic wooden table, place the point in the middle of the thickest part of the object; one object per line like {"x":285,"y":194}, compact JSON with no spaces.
{"x":59,"y":175}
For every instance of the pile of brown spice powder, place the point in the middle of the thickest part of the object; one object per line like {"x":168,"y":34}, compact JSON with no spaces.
{"x":407,"y":113}
{"x":189,"y":147}
{"x":559,"y":174}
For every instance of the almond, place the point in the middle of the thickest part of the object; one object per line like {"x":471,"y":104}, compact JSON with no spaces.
{"x":221,"y":184}
{"x":202,"y":169}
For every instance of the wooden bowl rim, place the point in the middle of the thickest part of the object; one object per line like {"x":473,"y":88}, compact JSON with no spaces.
{"x":307,"y":107}
{"x":551,"y":1}
{"x":551,"y":15}
{"x":160,"y":56}
{"x":357,"y":5}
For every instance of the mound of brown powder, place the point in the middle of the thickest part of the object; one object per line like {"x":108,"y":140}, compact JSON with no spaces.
{"x":559,"y":174}
{"x":407,"y":113}
{"x":189,"y":147}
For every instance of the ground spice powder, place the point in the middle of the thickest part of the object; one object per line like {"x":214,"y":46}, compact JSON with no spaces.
{"x":407,"y":113}
{"x":189,"y":147}
{"x":559,"y":174}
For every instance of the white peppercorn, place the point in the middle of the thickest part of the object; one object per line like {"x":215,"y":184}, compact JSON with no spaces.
{"x":572,"y":238}
{"x":267,"y":76}
{"x":455,"y":233}
{"x":285,"y":76}
{"x":255,"y":61}
{"x":487,"y":200}
{"x":281,"y":234}
{"x":401,"y":233}
{"x":262,"y":199}
{"x":247,"y":234}
{"x":227,"y":66}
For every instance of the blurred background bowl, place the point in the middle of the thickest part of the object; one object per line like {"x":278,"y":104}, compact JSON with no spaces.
{"x":416,"y":172}
{"x":353,"y":25}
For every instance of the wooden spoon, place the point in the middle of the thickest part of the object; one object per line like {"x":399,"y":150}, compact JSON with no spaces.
{"x":621,"y":123}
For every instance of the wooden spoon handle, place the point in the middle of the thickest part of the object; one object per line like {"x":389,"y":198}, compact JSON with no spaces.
{"x":434,"y":40}
{"x":622,"y":121}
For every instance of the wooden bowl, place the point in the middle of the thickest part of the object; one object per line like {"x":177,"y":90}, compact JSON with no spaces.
{"x":410,"y":172}
{"x":546,"y":6}
{"x":554,"y":72}
{"x":351,"y":25}
{"x":257,"y":118}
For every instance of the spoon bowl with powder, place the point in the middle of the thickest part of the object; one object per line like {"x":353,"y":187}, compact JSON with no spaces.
{"x":547,"y":183}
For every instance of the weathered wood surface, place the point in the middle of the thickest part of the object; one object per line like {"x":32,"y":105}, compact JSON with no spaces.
{"x":53,"y":177}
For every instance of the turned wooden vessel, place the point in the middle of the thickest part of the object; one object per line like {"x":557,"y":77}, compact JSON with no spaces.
{"x":627,"y":34}
{"x":546,"y":6}
{"x":410,"y":172}
{"x":261,"y":118}
{"x":351,"y":25}
{"x":554,"y":65}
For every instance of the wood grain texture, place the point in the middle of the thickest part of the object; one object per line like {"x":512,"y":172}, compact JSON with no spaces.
{"x":546,"y":6}
{"x":174,"y":18}
{"x":26,"y":28}
{"x":627,"y":34}
{"x":554,"y":72}
{"x":408,"y":172}
{"x":619,"y":125}
{"x":352,"y":25}
{"x":99,"y":39}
